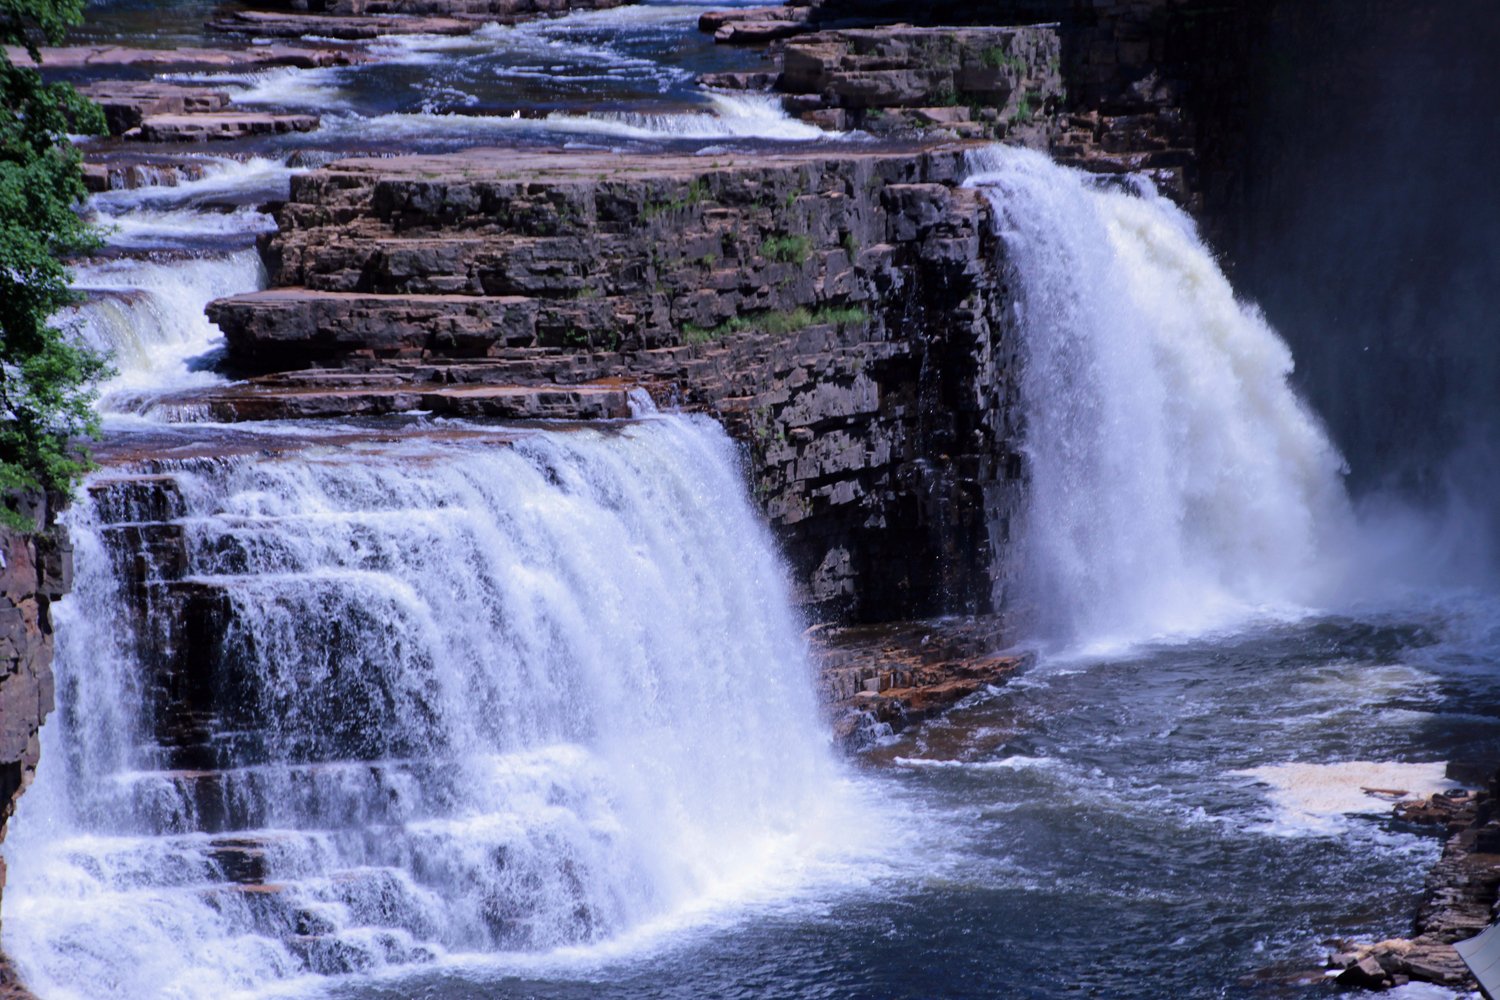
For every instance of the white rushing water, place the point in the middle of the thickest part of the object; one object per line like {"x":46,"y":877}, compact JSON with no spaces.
{"x":722,"y":116}
{"x":147,"y":315}
{"x":1176,"y":482}
{"x":467,"y":698}
{"x":177,"y":248}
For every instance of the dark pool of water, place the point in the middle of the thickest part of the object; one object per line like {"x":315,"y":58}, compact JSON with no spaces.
{"x":1083,"y":833}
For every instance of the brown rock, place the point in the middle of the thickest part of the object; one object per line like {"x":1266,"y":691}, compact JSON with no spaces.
{"x":126,"y":103}
{"x":223,"y":125}
{"x":1364,"y":974}
{"x":100,"y":56}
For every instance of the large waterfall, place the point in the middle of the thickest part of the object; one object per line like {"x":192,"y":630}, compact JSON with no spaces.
{"x":410,"y":699}
{"x":1175,"y":479}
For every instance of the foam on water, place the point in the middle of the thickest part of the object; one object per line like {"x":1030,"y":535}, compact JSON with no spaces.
{"x":1317,"y":799}
{"x":1176,"y":482}
{"x":503,"y":698}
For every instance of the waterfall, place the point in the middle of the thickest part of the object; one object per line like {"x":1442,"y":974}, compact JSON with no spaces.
{"x":1176,"y":482}
{"x":147,"y":315}
{"x":403,"y":701}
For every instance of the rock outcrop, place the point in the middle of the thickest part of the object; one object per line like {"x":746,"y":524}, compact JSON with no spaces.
{"x":1460,"y":900}
{"x":35,"y":570}
{"x":979,"y":82}
{"x":842,"y":314}
{"x":879,"y":679}
{"x":1155,"y":86}
{"x":364,"y":19}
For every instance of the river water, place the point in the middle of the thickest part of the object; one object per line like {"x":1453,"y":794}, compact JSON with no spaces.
{"x":564,"y":744}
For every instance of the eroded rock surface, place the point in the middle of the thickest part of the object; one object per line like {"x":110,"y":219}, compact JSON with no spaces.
{"x":979,"y":82}
{"x":881,"y":678}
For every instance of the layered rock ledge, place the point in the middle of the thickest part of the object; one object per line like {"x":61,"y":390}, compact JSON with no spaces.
{"x":878,"y":679}
{"x":843,"y":314}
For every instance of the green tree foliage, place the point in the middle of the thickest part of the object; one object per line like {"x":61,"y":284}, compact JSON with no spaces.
{"x":47,"y":379}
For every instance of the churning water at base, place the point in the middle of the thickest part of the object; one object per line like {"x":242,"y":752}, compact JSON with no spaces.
{"x":410,"y":701}
{"x":1175,"y":480}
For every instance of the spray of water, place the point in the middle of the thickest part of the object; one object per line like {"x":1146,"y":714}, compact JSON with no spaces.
{"x":1176,"y":481}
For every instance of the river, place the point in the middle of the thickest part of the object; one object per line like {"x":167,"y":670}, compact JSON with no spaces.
{"x":569,"y":749}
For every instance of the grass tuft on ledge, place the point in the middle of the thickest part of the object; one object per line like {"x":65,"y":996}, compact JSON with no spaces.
{"x":776,"y":323}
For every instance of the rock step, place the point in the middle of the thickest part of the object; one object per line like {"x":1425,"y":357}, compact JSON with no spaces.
{"x":127,"y":103}
{"x":275,"y":24}
{"x":503,"y":11}
{"x":292,"y":327}
{"x":120,"y":173}
{"x":251,"y":401}
{"x":755,"y":25}
{"x":354,"y":793}
{"x":221,"y":125}
{"x":134,"y":499}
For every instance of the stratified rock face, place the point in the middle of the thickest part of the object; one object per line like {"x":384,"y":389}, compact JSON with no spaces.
{"x":126,"y":103}
{"x":493,"y":9}
{"x":980,"y":82}
{"x":34,"y":571}
{"x":842,"y":314}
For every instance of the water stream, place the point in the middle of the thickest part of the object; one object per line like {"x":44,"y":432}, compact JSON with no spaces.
{"x":528,"y":714}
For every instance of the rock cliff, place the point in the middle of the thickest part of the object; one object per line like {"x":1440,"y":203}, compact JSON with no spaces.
{"x":35,"y":570}
{"x":842,"y":314}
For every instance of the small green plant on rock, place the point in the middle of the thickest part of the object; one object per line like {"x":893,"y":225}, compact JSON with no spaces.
{"x":697,"y":193}
{"x":996,"y":57}
{"x":777,"y":323}
{"x":1024,"y":112}
{"x":786,"y":249}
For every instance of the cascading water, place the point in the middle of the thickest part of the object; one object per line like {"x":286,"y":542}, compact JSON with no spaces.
{"x":456,"y":697}
{"x":147,"y":315}
{"x":1175,"y":480}
{"x":173,"y":249}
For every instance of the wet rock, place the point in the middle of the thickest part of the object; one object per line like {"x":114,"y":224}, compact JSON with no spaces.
{"x":755,"y":25}
{"x":35,"y":569}
{"x":287,"y":24}
{"x":1460,"y":897}
{"x":897,"y":78}
{"x":78,"y":57}
{"x":883,"y":678}
{"x":126,"y":103}
{"x":224,"y":125}
{"x":1364,"y":974}
{"x":119,"y":172}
